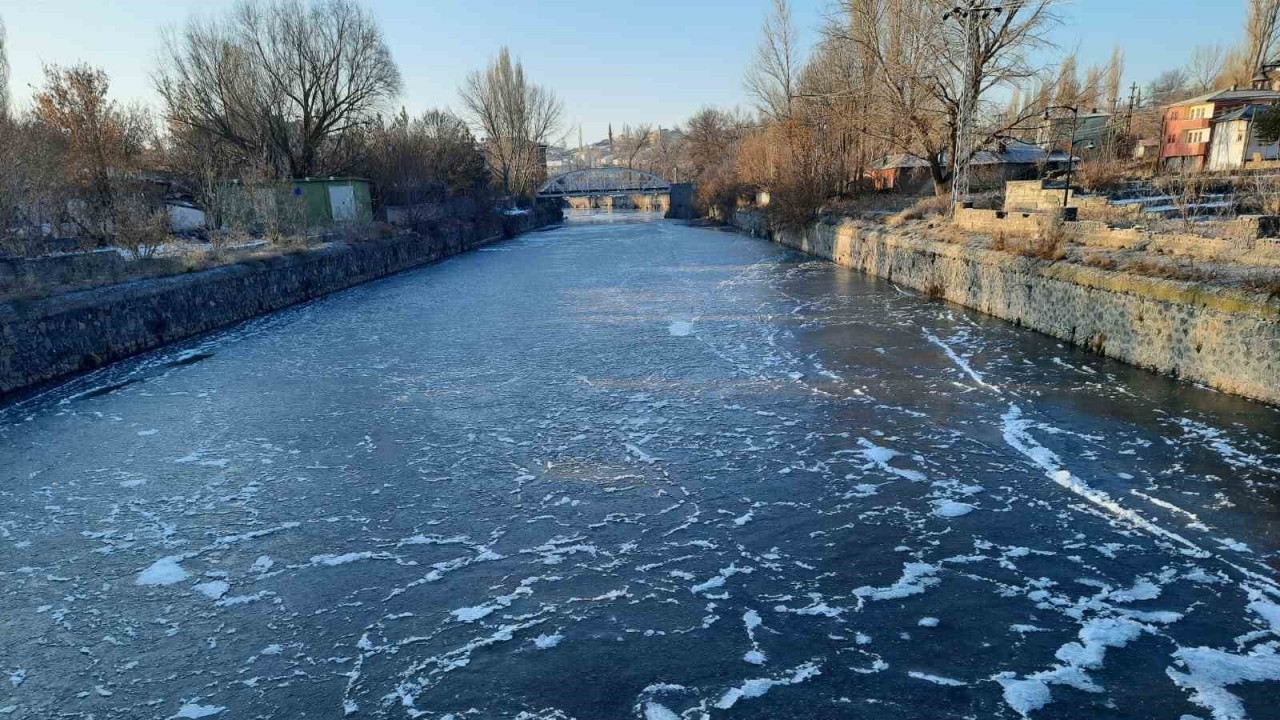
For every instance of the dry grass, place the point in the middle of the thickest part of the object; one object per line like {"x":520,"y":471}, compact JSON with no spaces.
{"x":1168,"y":271}
{"x":1101,"y":176}
{"x":922,"y":209}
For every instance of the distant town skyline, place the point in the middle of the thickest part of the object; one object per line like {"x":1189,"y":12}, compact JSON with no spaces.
{"x":671,"y":57}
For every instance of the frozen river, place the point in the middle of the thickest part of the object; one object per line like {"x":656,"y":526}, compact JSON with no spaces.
{"x":628,"y":468}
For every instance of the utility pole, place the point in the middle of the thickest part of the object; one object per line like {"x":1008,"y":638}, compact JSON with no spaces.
{"x":969,"y":16}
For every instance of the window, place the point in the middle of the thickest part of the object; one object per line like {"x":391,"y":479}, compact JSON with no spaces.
{"x":1196,"y":136}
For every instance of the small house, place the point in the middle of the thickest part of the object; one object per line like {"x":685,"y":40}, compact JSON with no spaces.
{"x":1235,"y":144}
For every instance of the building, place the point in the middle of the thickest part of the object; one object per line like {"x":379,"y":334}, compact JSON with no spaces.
{"x":1188,"y":125}
{"x":1008,"y":160}
{"x":1234,"y":144}
{"x":1087,"y":132}
{"x":307,"y":202}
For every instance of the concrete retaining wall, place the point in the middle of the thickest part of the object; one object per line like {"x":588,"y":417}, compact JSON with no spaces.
{"x":1222,"y":339}
{"x":46,"y":339}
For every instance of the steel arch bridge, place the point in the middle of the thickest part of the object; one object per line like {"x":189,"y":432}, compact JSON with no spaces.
{"x":600,"y":181}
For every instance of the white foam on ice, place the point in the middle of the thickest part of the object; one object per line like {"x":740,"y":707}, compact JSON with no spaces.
{"x":680,"y":328}
{"x":960,"y":362}
{"x":1016,"y":435}
{"x":190,"y":711}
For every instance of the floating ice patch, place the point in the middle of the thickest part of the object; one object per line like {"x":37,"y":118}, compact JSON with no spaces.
{"x":1024,"y":695}
{"x":680,"y":328}
{"x":916,"y":578}
{"x":147,"y":433}
{"x":717,"y":581}
{"x":546,"y":642}
{"x":654,"y":711}
{"x":755,"y":657}
{"x":757,"y":687}
{"x":1210,"y":672}
{"x":928,"y":622}
{"x":936,"y":679}
{"x":951,"y":508}
{"x":213,"y":590}
{"x":165,"y":571}
{"x":880,"y":456}
{"x":346,"y":558}
{"x":192,"y":710}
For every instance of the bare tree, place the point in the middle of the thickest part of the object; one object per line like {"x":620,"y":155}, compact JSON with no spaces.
{"x":924,"y":69}
{"x":516,"y":117}
{"x":1262,"y":35}
{"x":771,"y":78}
{"x":424,"y":159}
{"x":1169,"y":86}
{"x":4,"y":73}
{"x":1205,"y":67}
{"x":1067,"y":88}
{"x":1091,"y":90}
{"x":286,"y":82}
{"x":1115,"y":78}
{"x":104,"y":144}
{"x":635,"y":141}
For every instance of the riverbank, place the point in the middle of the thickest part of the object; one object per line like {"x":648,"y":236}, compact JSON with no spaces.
{"x":45,"y":339}
{"x":1225,"y":338}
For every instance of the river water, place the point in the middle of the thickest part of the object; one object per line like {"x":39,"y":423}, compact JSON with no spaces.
{"x":627,"y":468}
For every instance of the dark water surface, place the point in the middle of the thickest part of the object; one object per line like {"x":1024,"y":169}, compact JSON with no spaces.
{"x":629,"y":469}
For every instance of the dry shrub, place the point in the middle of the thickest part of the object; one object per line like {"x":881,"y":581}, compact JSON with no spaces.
{"x":1046,"y":247}
{"x":1267,"y":284}
{"x":1262,"y":194}
{"x":1100,"y":260}
{"x":1001,"y":241}
{"x":140,"y":229}
{"x":921,"y":209}
{"x":1101,"y":176}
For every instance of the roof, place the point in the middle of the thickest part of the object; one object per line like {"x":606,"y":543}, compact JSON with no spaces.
{"x":1248,"y":112}
{"x":336,"y":178}
{"x":1218,"y":96}
{"x":1015,"y":152}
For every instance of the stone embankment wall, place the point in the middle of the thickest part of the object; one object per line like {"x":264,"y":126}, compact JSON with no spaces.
{"x":45,"y":339}
{"x":1222,"y":338}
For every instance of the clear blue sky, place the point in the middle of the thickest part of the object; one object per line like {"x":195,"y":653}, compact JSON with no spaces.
{"x":637,"y":61}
